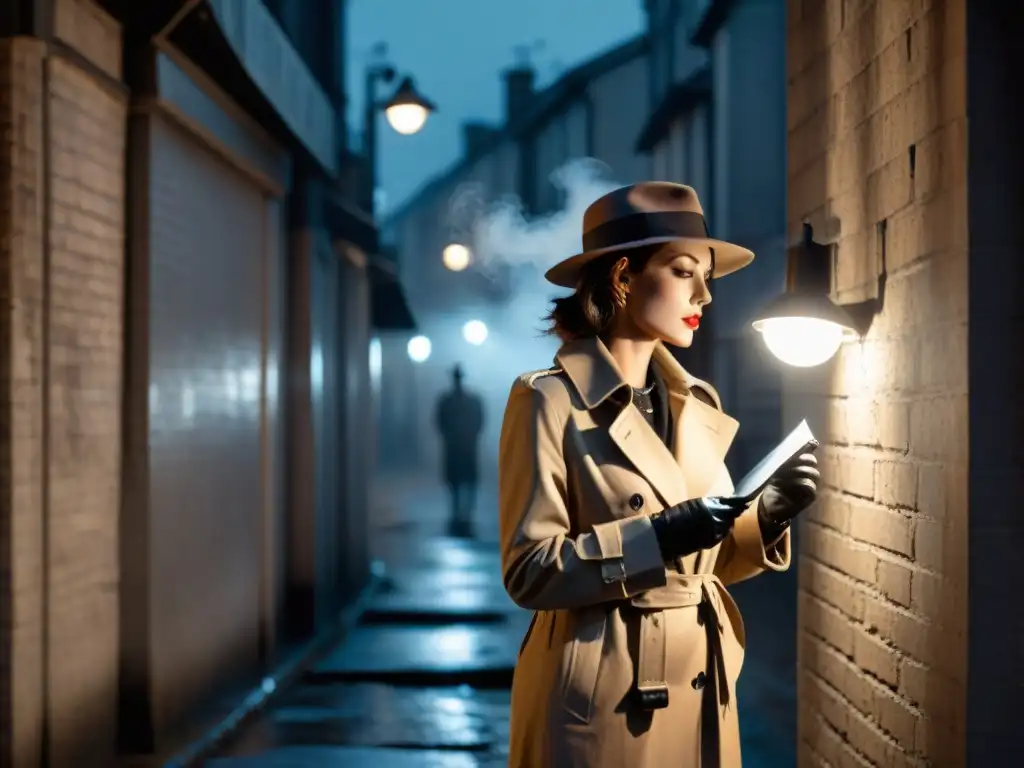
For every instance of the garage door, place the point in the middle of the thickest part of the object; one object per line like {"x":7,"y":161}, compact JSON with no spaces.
{"x":210,"y":232}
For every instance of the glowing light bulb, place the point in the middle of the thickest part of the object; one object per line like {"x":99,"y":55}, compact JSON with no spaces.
{"x":407,"y":119}
{"x":802,"y":342}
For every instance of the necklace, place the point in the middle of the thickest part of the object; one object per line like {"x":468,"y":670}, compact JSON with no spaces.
{"x":645,"y":391}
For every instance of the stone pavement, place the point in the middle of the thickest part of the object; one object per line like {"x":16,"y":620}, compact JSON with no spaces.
{"x":423,"y":680}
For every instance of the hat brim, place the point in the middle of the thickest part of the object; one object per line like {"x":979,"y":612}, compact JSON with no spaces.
{"x":728,"y":258}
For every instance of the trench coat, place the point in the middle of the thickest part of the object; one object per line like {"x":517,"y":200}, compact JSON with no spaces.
{"x":628,"y":661}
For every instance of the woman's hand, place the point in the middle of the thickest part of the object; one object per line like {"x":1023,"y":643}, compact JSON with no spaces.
{"x":792,"y":490}
{"x":694,"y":525}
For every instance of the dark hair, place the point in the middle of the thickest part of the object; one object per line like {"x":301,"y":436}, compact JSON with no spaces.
{"x":589,"y":310}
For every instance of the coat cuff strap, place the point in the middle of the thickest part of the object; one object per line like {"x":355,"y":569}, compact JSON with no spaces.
{"x":628,"y":550}
{"x":750,"y":543}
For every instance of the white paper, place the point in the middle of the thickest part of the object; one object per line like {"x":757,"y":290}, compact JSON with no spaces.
{"x":795,"y":443}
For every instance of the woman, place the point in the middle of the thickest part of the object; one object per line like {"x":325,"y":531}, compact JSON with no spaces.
{"x":615,"y":526}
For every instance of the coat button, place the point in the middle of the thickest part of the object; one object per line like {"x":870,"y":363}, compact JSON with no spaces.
{"x":636,"y":502}
{"x":699,"y":681}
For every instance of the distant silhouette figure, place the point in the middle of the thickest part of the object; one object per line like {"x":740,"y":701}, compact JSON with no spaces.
{"x":459,"y":419}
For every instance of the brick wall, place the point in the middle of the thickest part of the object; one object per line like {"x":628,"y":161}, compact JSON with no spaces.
{"x":87,"y":132}
{"x":61,"y":254}
{"x":21,"y":399}
{"x":877,"y":157}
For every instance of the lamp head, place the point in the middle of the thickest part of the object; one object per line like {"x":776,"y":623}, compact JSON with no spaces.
{"x":803,"y":327}
{"x":407,"y":110}
{"x":804,"y":330}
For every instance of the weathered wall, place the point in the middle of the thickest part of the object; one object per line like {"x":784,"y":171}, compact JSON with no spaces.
{"x":61,"y":282}
{"x":877,"y":159}
{"x":21,"y":375}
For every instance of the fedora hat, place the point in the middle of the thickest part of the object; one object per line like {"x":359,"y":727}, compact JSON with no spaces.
{"x":645,"y":214}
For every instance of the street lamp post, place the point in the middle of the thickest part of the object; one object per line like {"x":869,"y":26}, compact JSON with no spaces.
{"x":406,"y":110}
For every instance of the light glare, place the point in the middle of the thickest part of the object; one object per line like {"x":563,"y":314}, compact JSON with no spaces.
{"x":456,"y":257}
{"x":802,"y":342}
{"x":475,"y":332}
{"x":376,"y":361}
{"x":418,"y":349}
{"x":406,"y":119}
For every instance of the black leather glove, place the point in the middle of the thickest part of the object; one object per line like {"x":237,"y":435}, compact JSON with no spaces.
{"x":792,"y":490}
{"x":694,"y":525}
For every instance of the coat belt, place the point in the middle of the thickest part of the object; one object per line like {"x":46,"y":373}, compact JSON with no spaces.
{"x":683,"y":591}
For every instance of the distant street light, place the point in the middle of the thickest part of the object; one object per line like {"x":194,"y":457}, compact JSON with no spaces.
{"x":418,"y":349}
{"x":475,"y":332}
{"x":407,"y":110}
{"x":456,"y":257}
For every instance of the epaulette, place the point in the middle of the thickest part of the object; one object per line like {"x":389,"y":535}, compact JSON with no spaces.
{"x":528,"y":379}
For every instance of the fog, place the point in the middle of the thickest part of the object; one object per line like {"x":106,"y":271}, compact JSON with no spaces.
{"x":501,"y":235}
{"x":510,"y":245}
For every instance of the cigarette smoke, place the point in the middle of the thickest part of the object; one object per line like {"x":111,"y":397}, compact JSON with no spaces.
{"x":501,"y":235}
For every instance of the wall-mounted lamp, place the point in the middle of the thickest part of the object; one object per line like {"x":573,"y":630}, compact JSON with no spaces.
{"x":803,"y":327}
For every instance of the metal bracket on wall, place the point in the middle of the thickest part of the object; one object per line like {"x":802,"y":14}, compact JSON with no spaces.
{"x":862,"y":313}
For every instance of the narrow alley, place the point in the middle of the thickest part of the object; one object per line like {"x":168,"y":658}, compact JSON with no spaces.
{"x":423,"y":679}
{"x":268,"y":269}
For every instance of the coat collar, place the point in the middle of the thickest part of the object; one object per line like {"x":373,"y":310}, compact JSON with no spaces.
{"x":596,"y":376}
{"x":701,"y":433}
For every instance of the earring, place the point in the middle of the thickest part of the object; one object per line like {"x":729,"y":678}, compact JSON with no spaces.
{"x":620,"y":289}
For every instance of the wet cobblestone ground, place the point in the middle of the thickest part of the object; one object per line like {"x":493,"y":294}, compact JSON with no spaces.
{"x":423,"y":680}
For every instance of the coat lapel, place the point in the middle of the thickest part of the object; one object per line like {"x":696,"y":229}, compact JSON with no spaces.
{"x":596,"y":377}
{"x":703,"y":435}
{"x":648,"y":455}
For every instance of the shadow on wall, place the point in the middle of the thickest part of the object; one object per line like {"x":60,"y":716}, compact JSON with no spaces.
{"x":90,"y":740}
{"x":943,"y":644}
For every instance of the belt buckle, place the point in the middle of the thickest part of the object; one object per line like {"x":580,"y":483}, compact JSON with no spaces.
{"x":653,"y":696}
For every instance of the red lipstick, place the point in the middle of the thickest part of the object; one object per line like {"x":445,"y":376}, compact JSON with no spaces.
{"x":693,"y":321}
